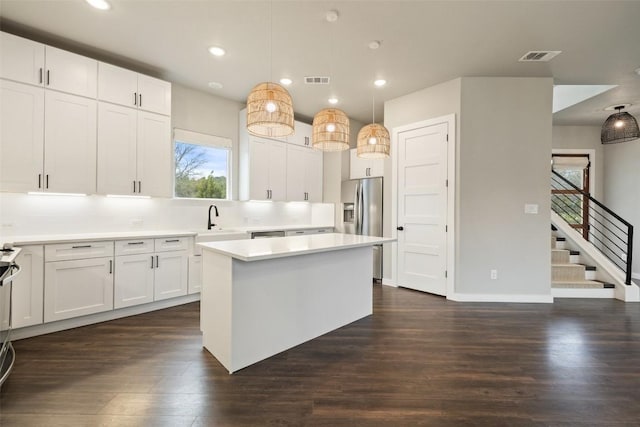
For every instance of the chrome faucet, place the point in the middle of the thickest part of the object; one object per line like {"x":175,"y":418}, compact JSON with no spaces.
{"x":209,"y":223}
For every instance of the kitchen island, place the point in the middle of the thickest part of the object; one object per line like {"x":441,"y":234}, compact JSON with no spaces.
{"x":261,"y":297}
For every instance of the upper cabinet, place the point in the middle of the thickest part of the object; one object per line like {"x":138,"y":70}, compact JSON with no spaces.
{"x":33,"y":63}
{"x":131,"y":89}
{"x":302,"y":135}
{"x":364,"y":168}
{"x":304,"y":174}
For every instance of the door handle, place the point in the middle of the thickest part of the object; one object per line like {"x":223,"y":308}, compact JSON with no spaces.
{"x":48,"y":79}
{"x":152,"y":262}
{"x":400,"y":228}
{"x":135,"y":98}
{"x":140,"y":100}
{"x":134,"y":186}
{"x":157,"y":262}
{"x":39,"y":180}
{"x":139,"y":186}
{"x":47,"y":180}
{"x":135,"y":243}
{"x":40,"y":76}
{"x":110,"y":266}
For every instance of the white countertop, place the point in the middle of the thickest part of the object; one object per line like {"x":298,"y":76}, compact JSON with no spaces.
{"x":279,"y":247}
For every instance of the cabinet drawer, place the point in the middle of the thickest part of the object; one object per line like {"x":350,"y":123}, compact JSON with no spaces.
{"x":78,"y":250}
{"x":136,"y":246}
{"x":166,"y":244}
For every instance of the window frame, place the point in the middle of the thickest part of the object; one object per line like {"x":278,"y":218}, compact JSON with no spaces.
{"x":205,"y":140}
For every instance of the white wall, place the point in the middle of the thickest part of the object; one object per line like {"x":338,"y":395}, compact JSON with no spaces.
{"x":504,"y":150}
{"x":621,"y":193}
{"x":583,"y":138}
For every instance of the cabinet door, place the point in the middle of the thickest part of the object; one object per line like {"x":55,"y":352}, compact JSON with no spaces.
{"x":117,"y":85}
{"x":21,"y":59}
{"x":70,"y":143}
{"x":117,"y":134}
{"x":71,"y":73}
{"x":278,"y":170}
{"x":364,"y":168}
{"x":133,"y":282}
{"x":313,"y":175}
{"x":296,"y":165}
{"x":154,"y":95}
{"x":195,"y":274}
{"x":258,"y":169}
{"x":77,"y":288}
{"x":154,"y":169}
{"x":171,"y":275}
{"x":21,"y":137}
{"x":302,"y":135}
{"x":28,"y":288}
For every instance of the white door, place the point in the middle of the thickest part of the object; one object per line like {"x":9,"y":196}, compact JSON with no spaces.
{"x":422,"y":208}
{"x":278,"y":170}
{"x":77,"y":288}
{"x":28,"y":288}
{"x":313,"y":176}
{"x":117,"y":85}
{"x":296,"y":165}
{"x":71,"y":73}
{"x":117,"y":134}
{"x":70,"y":143}
{"x":258,"y":169}
{"x":171,"y":275}
{"x":21,"y":59}
{"x":133,"y":283}
{"x":154,"y":95}
{"x":154,"y":169}
{"x":21,"y":137}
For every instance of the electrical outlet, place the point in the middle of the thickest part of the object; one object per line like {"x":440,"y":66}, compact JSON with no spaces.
{"x":494,"y":274}
{"x":531,"y":209}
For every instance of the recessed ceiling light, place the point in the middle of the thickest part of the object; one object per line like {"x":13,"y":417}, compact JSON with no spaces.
{"x":215,"y":85}
{"x":99,"y":4}
{"x":374,"y":44}
{"x":217,"y":51}
{"x":380,"y":82}
{"x":286,"y":81}
{"x":333,"y":100}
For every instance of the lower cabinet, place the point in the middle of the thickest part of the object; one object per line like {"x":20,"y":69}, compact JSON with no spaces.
{"x":28,"y":288}
{"x":195,"y":274}
{"x":77,"y":288}
{"x":170,"y":274}
{"x":133,"y":280}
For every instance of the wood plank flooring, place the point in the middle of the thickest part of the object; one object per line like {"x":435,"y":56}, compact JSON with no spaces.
{"x":418,"y":361}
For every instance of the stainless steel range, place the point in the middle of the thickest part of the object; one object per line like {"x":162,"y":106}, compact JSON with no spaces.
{"x":8,"y":271}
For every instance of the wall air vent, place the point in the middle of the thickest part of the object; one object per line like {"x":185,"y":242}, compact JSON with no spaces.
{"x":316,"y":80}
{"x":539,"y":55}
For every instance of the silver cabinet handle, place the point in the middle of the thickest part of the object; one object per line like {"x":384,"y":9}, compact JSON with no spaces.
{"x":157,"y":262}
{"x":39,"y":180}
{"x":135,"y":98}
{"x":80,"y":247}
{"x":47,"y":180}
{"x":110,"y":266}
{"x":134,"y":186}
{"x":139,"y":186}
{"x":152,"y":262}
{"x":306,"y":140}
{"x":140,"y":100}
{"x":48,"y":77}
{"x":40,"y":76}
{"x":135,"y":243}
{"x":172,"y":241}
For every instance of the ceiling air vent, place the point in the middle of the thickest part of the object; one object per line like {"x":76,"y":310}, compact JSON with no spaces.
{"x":539,"y":55}
{"x":316,"y":80}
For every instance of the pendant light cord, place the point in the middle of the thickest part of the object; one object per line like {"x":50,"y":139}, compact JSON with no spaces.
{"x":271,"y":41}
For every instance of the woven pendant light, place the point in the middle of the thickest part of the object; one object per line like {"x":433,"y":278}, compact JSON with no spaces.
{"x":330,"y":130}
{"x":619,"y":127}
{"x":269,"y":111}
{"x":373,"y":140}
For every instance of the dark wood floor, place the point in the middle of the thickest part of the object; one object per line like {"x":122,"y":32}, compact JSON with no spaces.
{"x":419,"y":360}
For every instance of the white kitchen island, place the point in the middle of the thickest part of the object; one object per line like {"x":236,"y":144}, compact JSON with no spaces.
{"x":261,"y":297}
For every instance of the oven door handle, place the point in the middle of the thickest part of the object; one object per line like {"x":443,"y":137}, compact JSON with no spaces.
{"x":17,"y":269}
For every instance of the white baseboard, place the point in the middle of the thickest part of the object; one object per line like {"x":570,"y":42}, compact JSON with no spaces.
{"x":389,"y":282}
{"x":535,"y":298}
{"x":61,"y":325}
{"x":582,"y":293}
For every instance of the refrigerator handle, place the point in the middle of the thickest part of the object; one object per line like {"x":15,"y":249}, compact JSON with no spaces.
{"x":360,"y":208}
{"x":356,"y":209}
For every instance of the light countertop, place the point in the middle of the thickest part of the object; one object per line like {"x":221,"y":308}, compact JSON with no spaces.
{"x":279,"y":247}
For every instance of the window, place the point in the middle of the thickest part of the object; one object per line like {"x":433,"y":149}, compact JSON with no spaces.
{"x":202,"y":165}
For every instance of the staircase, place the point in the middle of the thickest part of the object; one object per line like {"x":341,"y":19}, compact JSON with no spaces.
{"x":568,"y":273}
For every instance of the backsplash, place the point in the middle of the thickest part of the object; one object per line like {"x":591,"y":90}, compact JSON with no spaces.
{"x":23,"y":214}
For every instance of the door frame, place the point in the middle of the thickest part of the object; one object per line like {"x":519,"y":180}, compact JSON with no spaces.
{"x":452,"y":142}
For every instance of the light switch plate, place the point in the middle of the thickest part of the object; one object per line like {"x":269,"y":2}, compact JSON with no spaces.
{"x":531,"y":209}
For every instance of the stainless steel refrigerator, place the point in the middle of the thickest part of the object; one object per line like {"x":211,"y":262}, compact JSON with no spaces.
{"x":362,"y":213}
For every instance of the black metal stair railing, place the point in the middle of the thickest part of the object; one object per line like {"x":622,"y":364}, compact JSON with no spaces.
{"x":606,"y":230}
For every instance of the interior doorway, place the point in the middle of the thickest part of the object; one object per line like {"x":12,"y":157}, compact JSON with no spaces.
{"x":571,"y":194}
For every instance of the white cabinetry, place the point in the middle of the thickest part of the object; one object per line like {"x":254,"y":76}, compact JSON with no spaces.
{"x":308,"y":231}
{"x":33,"y":63}
{"x":263,"y":169}
{"x":28,"y":288}
{"x":59,"y":156}
{"x":78,"y":279}
{"x":304,"y":174}
{"x":125,"y":87}
{"x":21,"y":137}
{"x":364,"y":168}
{"x":150,"y":270}
{"x":302,"y":135}
{"x":134,"y":152}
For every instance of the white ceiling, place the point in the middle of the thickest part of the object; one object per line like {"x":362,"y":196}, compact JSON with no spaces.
{"x":423,"y":43}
